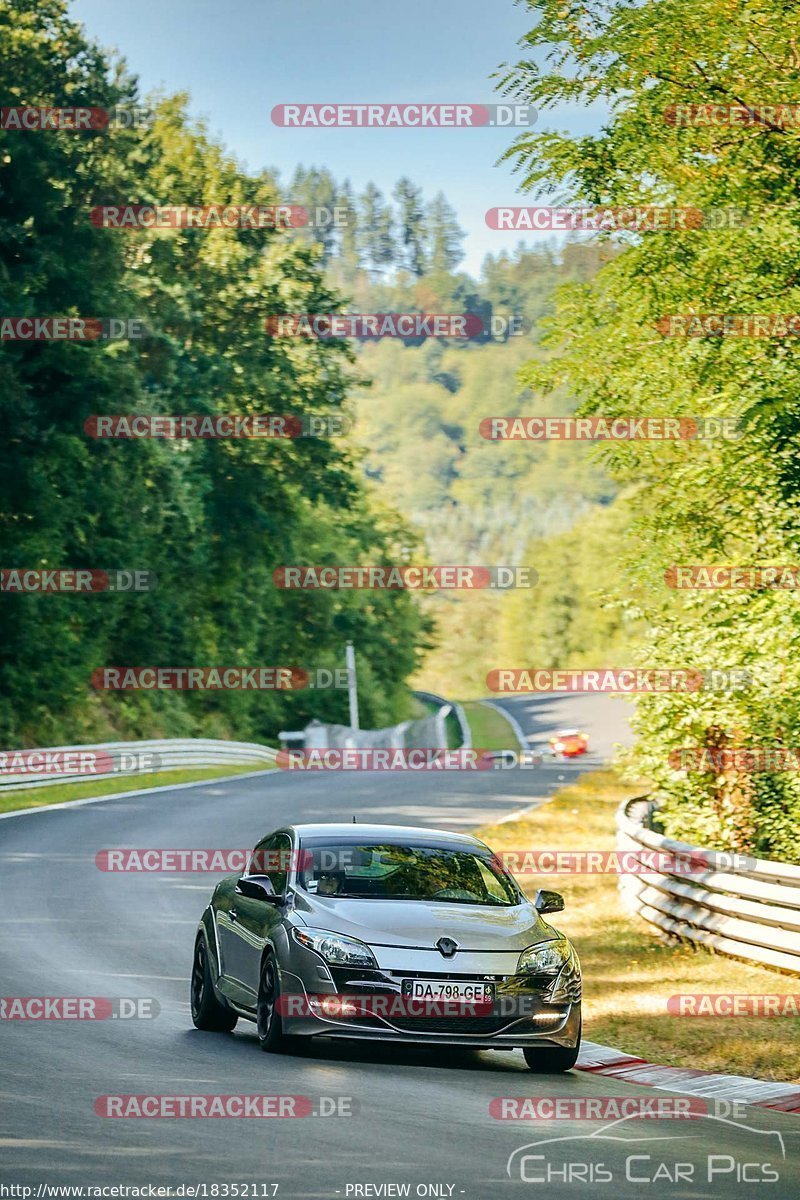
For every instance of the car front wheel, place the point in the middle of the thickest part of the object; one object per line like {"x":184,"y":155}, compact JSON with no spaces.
{"x":552,"y":1060}
{"x":208,"y":1012}
{"x":268,"y":1018}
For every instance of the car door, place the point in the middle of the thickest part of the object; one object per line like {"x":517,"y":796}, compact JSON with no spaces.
{"x":250,"y":922}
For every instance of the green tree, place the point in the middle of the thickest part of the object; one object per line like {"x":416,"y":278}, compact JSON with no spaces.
{"x":444,"y":235}
{"x":212,"y":519}
{"x":315,"y":189}
{"x":375,"y":230}
{"x":348,"y":250}
{"x":411,"y":231}
{"x":712,"y":500}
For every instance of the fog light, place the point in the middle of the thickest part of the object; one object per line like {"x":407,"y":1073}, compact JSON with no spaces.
{"x":335,"y":1006}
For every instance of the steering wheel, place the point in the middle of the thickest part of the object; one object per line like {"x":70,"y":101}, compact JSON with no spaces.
{"x":454,"y":894}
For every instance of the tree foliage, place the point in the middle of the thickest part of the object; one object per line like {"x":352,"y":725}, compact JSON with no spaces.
{"x":211,"y":519}
{"x":715,"y":500}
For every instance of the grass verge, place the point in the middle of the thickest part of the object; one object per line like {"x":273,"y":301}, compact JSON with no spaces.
{"x":59,"y":793}
{"x":490,"y":729}
{"x":629,"y":973}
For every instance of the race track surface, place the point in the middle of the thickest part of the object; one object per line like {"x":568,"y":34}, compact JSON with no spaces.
{"x":420,"y":1117}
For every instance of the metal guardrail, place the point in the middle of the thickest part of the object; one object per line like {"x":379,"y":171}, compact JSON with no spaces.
{"x":458,"y":712}
{"x":744,"y":907}
{"x":103,"y":760}
{"x":425,"y":732}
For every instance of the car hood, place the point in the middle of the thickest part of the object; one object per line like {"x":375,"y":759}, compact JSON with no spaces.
{"x":415,"y":923}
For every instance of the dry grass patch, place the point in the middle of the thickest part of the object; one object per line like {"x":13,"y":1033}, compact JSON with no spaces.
{"x":629,"y":972}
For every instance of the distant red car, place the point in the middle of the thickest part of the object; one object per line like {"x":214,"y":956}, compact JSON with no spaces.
{"x":569,"y":743}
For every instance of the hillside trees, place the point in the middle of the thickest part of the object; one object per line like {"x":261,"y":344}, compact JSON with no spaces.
{"x":211,"y":518}
{"x":715,"y":500}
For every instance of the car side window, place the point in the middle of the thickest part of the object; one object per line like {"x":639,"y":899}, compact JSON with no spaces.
{"x":259,"y":859}
{"x":272,"y":858}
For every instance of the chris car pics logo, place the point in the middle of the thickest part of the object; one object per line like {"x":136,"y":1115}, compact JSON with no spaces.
{"x":679,"y":1163}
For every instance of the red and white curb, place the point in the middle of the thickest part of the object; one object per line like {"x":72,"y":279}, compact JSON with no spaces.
{"x":605,"y":1060}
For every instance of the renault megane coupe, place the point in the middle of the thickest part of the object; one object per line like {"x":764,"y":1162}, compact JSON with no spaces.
{"x":389,"y":933}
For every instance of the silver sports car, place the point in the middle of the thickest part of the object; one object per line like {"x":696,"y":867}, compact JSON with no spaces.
{"x":389,"y":933}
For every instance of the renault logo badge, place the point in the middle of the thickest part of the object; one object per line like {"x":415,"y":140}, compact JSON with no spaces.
{"x":446,"y":947}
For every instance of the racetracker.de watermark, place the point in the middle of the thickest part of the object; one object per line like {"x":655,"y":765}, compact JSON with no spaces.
{"x":645,"y":218}
{"x":409,"y":325}
{"x":73,"y":581}
{"x":619,"y":862}
{"x":81,"y":760}
{"x":403,"y":578}
{"x":197,"y":426}
{"x":134,"y":216}
{"x":70,"y":329}
{"x":613,"y":429}
{"x":776,"y":115}
{"x":745,"y":759}
{"x":729,"y":325}
{"x":158,"y":1106}
{"x":634,"y":680}
{"x":78,"y":1008}
{"x":402,"y":116}
{"x":348,"y":1005}
{"x":733,"y":1004}
{"x":202,"y":860}
{"x":74,"y":119}
{"x":217,"y":679}
{"x":704,"y":577}
{"x":355,"y":758}
{"x":597,"y":1108}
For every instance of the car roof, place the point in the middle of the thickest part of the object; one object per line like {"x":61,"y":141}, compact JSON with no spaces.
{"x":389,"y":832}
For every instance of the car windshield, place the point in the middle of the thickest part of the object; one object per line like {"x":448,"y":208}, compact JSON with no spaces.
{"x":404,"y":872}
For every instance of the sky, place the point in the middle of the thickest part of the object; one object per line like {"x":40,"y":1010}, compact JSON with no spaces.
{"x":239,"y":58}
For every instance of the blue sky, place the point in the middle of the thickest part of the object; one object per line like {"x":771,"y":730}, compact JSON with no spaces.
{"x":238,"y":58}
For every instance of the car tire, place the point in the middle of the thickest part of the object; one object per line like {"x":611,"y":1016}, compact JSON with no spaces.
{"x":208,"y":1011}
{"x":552,"y":1060}
{"x":269,"y":1024}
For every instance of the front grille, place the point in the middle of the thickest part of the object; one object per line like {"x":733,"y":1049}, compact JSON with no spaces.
{"x":461,"y":1025}
{"x":518,"y":1004}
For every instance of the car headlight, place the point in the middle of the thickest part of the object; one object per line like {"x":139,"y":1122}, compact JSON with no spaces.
{"x":336,"y":948}
{"x":544,"y":959}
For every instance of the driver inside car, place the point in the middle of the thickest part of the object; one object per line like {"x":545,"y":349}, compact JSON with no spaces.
{"x":328,"y":885}
{"x":443,"y":887}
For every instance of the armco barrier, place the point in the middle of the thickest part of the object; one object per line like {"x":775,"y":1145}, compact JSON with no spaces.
{"x":458,"y":711}
{"x":429,"y":731}
{"x":426,"y":732}
{"x":749,"y":911}
{"x":168,"y":754}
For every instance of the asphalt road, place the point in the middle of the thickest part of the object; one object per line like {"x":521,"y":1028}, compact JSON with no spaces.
{"x":420,"y":1117}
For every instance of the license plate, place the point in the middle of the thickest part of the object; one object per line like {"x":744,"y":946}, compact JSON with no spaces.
{"x":465,"y":991}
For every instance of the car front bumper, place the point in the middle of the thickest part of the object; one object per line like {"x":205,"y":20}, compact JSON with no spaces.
{"x":516,"y":1035}
{"x":525,"y":1012}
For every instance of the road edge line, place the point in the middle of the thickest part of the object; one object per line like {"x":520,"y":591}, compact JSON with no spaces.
{"x":148,"y":791}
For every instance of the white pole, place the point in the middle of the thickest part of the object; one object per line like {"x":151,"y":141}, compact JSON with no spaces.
{"x":352,"y":686}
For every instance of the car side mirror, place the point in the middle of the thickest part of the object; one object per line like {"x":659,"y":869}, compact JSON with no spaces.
{"x":548,"y":902}
{"x":258,"y":887}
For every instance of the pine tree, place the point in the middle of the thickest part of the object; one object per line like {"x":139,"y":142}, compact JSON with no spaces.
{"x":411,"y":227}
{"x":444,"y":235}
{"x":375,"y":234}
